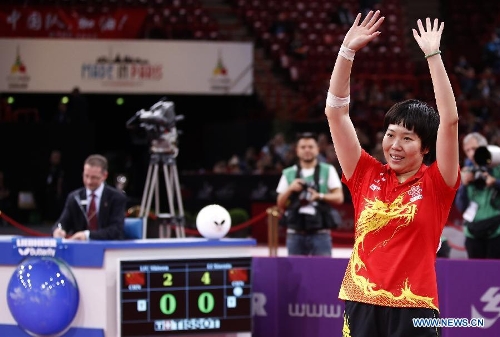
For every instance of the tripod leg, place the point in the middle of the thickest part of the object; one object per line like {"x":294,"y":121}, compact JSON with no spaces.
{"x":147,"y":185}
{"x":152,"y":188}
{"x":170,"y":198}
{"x":180,"y":206}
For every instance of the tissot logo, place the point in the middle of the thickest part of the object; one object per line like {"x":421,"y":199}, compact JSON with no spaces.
{"x":490,"y":312}
{"x":314,"y":310}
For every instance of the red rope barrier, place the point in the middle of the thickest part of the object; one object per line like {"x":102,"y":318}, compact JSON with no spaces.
{"x":456,"y":247}
{"x":233,"y":229}
{"x":21,"y":227}
{"x":250,"y":222}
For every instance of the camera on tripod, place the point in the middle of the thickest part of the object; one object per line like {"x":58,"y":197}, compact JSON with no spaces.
{"x":159,"y":122}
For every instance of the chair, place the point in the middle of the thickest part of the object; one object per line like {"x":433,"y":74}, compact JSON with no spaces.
{"x":134,"y":228}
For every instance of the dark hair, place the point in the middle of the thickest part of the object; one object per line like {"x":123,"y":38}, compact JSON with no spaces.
{"x":306,"y":135}
{"x":418,"y":117}
{"x":97,"y":160}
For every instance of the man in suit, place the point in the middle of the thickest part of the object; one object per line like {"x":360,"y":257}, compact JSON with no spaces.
{"x":95,"y":211}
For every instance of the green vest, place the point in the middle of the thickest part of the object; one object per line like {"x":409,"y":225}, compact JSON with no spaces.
{"x":290,"y":174}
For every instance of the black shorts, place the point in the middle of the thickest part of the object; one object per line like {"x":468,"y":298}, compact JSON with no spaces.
{"x":368,"y":320}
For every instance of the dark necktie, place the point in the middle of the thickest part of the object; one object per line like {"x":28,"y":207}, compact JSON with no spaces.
{"x":92,"y":213}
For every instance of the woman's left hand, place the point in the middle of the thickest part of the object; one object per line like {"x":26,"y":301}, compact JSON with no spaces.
{"x":429,"y":39}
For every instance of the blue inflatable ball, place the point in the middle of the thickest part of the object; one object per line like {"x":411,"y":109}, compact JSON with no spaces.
{"x":43,"y":296}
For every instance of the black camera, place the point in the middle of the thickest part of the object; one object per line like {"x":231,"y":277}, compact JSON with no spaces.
{"x":479,"y":180}
{"x":482,"y":158}
{"x":305,"y":195}
{"x":159,"y":122}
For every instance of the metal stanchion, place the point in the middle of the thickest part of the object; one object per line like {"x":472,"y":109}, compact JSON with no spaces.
{"x":272,"y":230}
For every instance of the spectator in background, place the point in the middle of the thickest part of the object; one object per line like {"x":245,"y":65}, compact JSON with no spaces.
{"x":78,"y":108}
{"x":51,"y":200}
{"x":289,"y":159}
{"x":487,"y":82}
{"x":491,"y":53}
{"x":466,"y":75}
{"x":323,"y":142}
{"x":344,"y":15}
{"x":265,"y":164}
{"x":250,"y":160}
{"x":276,"y":147}
{"x":272,"y":154}
{"x":61,"y":117}
{"x":282,"y":27}
{"x":297,"y":47}
{"x":220,"y":167}
{"x":234,"y":165}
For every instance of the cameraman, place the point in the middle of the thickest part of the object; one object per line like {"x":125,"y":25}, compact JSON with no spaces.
{"x":476,"y":199}
{"x":306,"y":192}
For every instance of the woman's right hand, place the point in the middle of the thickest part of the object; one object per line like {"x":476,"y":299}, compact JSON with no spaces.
{"x":360,"y":34}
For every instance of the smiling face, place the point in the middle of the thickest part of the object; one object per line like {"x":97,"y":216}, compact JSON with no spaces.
{"x":403,"y":150}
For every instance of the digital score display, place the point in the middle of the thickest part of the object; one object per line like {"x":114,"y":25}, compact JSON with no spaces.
{"x":185,"y":297}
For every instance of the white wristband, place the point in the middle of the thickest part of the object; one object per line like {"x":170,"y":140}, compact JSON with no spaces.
{"x":337,"y":102}
{"x":347,"y":53}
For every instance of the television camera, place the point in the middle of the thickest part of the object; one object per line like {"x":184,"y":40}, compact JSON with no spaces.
{"x":159,"y":123}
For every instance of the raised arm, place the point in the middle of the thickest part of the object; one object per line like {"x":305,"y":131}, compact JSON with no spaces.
{"x":447,"y":147}
{"x":343,"y":134}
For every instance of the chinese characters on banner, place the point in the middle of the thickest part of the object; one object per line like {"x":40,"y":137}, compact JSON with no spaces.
{"x":47,"y":22}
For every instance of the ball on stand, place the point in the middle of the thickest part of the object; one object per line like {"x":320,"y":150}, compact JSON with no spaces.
{"x":213,"y":222}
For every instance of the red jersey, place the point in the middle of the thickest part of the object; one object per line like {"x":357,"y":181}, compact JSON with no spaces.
{"x":397,"y":233}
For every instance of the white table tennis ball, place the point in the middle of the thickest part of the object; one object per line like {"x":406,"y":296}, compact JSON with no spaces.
{"x":213,"y":221}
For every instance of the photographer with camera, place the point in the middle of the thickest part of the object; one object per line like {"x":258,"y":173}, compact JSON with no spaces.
{"x":477,"y":199}
{"x":306,"y":193}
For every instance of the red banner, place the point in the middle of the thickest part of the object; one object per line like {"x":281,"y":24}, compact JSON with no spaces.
{"x":65,"y":22}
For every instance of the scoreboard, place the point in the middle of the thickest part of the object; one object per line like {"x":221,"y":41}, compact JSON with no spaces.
{"x":184,"y":296}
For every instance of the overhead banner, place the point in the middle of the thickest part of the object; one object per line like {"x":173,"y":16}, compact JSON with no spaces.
{"x":63,"y":22}
{"x":123,"y":66}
